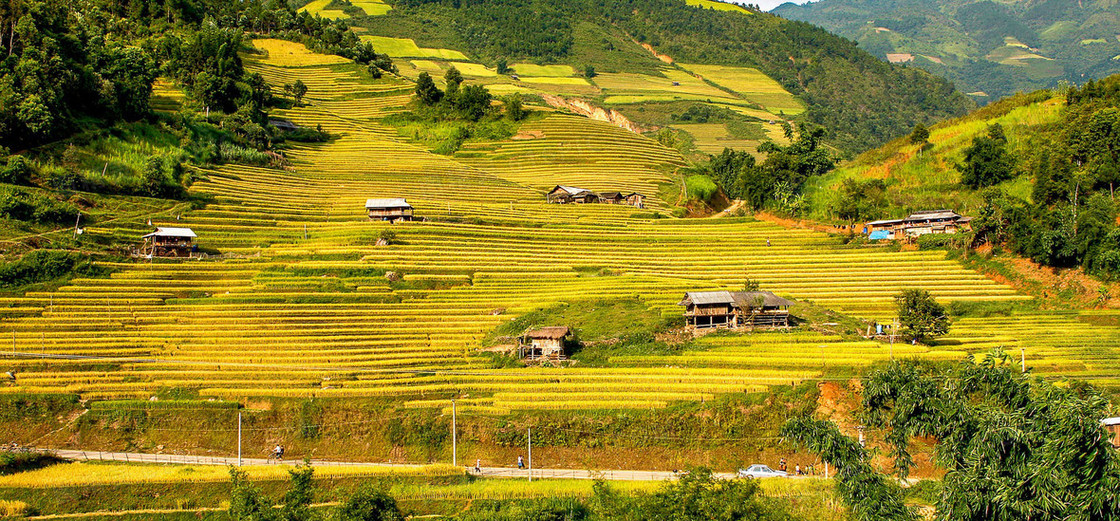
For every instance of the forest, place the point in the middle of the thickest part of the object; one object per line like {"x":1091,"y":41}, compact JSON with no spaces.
{"x":72,"y":82}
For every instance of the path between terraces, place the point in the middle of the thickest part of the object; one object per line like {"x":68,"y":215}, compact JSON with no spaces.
{"x":492,"y":472}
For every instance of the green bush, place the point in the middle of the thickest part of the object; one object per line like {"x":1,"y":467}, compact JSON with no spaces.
{"x":43,"y":265}
{"x":18,"y":171}
{"x":700,"y":187}
{"x":936,"y":241}
{"x":34,"y":206}
{"x":12,"y":462}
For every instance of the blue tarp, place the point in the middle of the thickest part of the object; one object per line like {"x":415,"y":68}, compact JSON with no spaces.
{"x":879,"y":234}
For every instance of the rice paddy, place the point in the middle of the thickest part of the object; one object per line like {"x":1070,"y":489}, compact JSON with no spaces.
{"x":752,"y":85}
{"x":300,"y":303}
{"x":407,"y":48}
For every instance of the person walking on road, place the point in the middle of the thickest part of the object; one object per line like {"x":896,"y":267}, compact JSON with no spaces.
{"x":478,"y":466}
{"x":782,"y":464}
{"x":520,"y":462}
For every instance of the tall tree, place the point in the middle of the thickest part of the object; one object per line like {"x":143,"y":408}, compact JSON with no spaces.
{"x":1015,"y":446}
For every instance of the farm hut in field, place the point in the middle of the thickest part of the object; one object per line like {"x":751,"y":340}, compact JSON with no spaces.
{"x":546,"y":342}
{"x":636,"y":200}
{"x":1112,"y":425}
{"x":570,"y":194}
{"x":612,"y":198}
{"x":169,"y":242}
{"x":735,"y":309}
{"x":389,"y":209}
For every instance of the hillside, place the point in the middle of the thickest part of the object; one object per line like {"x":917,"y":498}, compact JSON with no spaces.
{"x":300,"y":303}
{"x":1039,"y":171}
{"x":988,"y":49}
{"x":654,"y":60}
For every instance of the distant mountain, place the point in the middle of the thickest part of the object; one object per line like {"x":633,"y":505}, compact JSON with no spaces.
{"x":988,"y":49}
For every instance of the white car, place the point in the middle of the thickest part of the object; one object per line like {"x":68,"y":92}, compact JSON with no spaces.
{"x":761,"y":471}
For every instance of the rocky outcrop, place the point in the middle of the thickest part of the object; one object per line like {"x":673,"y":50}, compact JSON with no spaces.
{"x":585,"y":108}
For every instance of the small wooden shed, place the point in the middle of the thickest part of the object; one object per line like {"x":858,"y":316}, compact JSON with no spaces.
{"x":169,"y":242}
{"x":570,"y":194}
{"x":612,"y":198}
{"x":396,"y":209}
{"x":545,"y":342}
{"x":1112,"y":425}
{"x":636,"y":200}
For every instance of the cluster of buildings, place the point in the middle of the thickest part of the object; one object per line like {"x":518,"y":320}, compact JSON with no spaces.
{"x":572,"y":195}
{"x":918,"y":224}
{"x":178,"y":242}
{"x":703,"y":310}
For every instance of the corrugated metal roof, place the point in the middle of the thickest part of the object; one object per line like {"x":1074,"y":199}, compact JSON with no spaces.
{"x":1108,"y":422}
{"x":737,"y":298}
{"x":884,"y":221}
{"x":933,"y":215}
{"x":552,"y":332}
{"x":770,"y":300}
{"x":708,"y":297}
{"x":387,"y":203}
{"x":570,"y":189}
{"x":171,"y":232}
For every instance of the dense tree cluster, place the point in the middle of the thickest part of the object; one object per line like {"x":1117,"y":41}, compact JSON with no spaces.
{"x":1014,"y":446}
{"x":98,"y":59}
{"x":777,"y":181}
{"x":1071,"y":219}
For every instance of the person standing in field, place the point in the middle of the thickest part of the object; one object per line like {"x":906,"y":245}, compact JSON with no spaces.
{"x":520,"y":463}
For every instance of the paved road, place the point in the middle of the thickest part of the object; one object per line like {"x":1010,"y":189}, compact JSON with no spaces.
{"x":494,"y":472}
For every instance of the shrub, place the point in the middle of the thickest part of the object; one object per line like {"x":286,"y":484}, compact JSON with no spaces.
{"x":12,"y":462}
{"x":18,"y":170}
{"x":370,"y":504}
{"x":26,"y":205}
{"x":700,"y":187}
{"x":921,"y":316}
{"x":43,"y":265}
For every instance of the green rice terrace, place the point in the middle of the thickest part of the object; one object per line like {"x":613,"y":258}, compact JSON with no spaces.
{"x":298,"y":299}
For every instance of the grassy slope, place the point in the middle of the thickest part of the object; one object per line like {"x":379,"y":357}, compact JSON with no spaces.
{"x":930,"y":179}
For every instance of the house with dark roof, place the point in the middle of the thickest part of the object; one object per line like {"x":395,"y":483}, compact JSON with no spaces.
{"x":169,"y":242}
{"x":396,"y":209}
{"x":735,"y":309}
{"x":612,"y":197}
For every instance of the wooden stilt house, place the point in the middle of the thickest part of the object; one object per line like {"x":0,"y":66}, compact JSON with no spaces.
{"x":735,"y":309}
{"x":391,"y":210}
{"x":169,"y":242}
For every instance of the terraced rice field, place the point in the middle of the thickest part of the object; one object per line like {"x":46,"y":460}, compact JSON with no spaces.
{"x":752,"y":84}
{"x":319,"y":7}
{"x":300,"y":305}
{"x":407,"y":48}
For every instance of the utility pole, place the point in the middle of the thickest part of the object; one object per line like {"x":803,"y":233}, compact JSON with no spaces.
{"x":1023,"y":357}
{"x":454,"y":438}
{"x":238,"y":438}
{"x":530,"y":454}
